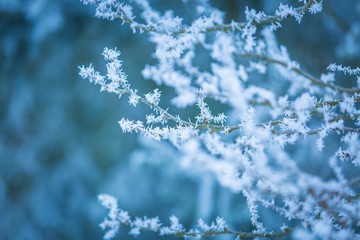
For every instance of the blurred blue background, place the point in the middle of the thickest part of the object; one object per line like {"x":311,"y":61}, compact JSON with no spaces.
{"x":60,"y":144}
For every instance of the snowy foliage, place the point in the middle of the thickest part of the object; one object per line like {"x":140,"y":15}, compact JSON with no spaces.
{"x":246,"y":145}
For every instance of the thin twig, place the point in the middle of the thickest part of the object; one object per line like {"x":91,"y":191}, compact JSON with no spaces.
{"x":236,"y":233}
{"x":297,"y":70}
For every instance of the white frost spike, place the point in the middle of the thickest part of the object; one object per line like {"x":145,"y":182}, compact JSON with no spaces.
{"x":154,"y":97}
{"x":111,"y":54}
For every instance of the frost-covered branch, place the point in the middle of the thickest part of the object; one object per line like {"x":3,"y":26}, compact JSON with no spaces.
{"x":117,"y":218}
{"x":111,"y":10}
{"x":119,"y":85}
{"x":312,"y":79}
{"x":346,"y":70}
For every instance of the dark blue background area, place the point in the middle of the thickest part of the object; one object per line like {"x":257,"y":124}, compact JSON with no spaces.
{"x":60,"y":144}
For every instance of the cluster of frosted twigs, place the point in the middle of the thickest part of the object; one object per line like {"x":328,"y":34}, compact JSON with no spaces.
{"x":244,"y":147}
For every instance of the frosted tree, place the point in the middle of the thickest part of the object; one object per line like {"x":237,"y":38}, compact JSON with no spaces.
{"x":244,"y":144}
